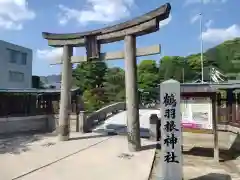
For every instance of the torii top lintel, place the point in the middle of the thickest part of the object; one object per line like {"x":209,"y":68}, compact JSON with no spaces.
{"x":145,"y":24}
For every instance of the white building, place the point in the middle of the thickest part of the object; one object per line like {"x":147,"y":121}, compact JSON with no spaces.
{"x":15,"y":66}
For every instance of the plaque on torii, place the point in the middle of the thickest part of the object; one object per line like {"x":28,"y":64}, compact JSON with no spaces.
{"x":92,"y":40}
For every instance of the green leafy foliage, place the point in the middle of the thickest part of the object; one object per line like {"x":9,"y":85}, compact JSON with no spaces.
{"x":148,"y":80}
{"x":176,"y":67}
{"x":103,"y":85}
{"x":114,"y":84}
{"x":89,"y":75}
{"x":92,"y":101}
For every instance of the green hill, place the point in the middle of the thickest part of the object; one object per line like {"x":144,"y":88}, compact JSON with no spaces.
{"x":224,"y":57}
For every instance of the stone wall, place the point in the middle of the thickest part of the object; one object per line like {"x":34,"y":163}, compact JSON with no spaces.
{"x":43,"y":123}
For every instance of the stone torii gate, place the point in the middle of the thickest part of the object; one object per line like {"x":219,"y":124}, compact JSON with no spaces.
{"x":127,"y":31}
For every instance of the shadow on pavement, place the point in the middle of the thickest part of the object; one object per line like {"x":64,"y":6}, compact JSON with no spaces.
{"x":148,"y":147}
{"x":225,"y":155}
{"x":121,"y":130}
{"x":17,"y":143}
{"x":90,"y":137}
{"x":213,"y":176}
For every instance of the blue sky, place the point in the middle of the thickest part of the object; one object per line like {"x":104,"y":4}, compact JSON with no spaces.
{"x":23,"y":21}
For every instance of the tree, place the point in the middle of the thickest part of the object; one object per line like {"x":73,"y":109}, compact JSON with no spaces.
{"x":175,"y":67}
{"x":171,"y":67}
{"x":89,"y":76}
{"x":148,"y":80}
{"x":91,"y":101}
{"x":148,"y":66}
{"x":115,"y":84}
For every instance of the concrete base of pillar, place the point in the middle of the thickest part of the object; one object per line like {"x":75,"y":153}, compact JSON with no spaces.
{"x":133,"y":148}
{"x":63,"y":138}
{"x":64,"y":132}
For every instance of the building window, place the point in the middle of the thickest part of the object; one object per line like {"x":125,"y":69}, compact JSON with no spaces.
{"x":17,"y":57}
{"x":13,"y":56}
{"x":15,"y":76}
{"x":24,"y":59}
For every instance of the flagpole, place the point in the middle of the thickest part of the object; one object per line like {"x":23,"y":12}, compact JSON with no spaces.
{"x":201,"y":39}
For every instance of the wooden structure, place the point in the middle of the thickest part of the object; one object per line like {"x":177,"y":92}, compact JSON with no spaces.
{"x":33,"y":102}
{"x":193,"y":90}
{"x":228,"y":100}
{"x":92,"y":40}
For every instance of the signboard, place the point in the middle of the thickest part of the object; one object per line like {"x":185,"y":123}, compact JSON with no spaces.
{"x":171,"y":131}
{"x":196,"y":113}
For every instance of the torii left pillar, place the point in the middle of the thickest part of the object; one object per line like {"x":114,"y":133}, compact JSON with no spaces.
{"x":64,"y":122}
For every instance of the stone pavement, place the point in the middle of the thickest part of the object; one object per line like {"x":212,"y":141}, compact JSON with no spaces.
{"x":117,"y":123}
{"x":90,"y":157}
{"x":198,"y":158}
{"x":200,"y":168}
{"x":97,"y":156}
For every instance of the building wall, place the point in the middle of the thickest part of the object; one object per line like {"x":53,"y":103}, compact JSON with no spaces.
{"x":15,"y":66}
{"x":41,"y":123}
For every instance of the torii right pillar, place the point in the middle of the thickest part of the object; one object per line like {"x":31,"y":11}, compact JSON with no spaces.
{"x":132,"y":101}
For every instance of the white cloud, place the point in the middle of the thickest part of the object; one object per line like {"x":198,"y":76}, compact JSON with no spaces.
{"x":13,"y":13}
{"x":51,"y":54}
{"x":96,"y":11}
{"x":166,"y":21}
{"x":209,"y":23}
{"x":188,"y":2}
{"x":195,"y":18}
{"x":213,"y":35}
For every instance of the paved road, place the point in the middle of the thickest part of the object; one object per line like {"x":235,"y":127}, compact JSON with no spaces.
{"x":117,"y":123}
{"x":89,"y":156}
{"x":197,"y":163}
